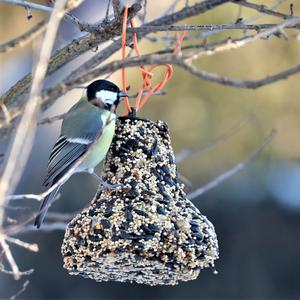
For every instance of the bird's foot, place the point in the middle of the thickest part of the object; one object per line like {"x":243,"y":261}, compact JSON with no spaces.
{"x":106,"y":185}
{"x":109,"y":186}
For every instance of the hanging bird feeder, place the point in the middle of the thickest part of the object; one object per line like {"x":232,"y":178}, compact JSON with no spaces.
{"x":147,"y":231}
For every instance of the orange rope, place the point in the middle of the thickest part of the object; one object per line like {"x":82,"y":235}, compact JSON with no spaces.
{"x":179,"y":42}
{"x":147,"y":75}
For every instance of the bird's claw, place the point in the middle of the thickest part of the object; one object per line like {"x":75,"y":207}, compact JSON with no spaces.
{"x":109,"y":186}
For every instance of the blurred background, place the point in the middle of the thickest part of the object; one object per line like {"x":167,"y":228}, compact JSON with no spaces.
{"x":256,"y":213}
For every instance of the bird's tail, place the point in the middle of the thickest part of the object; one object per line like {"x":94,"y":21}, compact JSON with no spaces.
{"x":44,"y":207}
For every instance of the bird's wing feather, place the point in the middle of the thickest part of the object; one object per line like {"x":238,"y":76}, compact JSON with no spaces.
{"x":79,"y":130}
{"x":62,"y":158}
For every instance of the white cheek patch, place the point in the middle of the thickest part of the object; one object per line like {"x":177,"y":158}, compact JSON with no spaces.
{"x":107,"y":96}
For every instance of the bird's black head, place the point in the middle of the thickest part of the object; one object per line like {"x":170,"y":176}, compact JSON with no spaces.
{"x":105,"y":91}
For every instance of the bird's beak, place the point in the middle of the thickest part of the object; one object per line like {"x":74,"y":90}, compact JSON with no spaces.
{"x":122,"y":94}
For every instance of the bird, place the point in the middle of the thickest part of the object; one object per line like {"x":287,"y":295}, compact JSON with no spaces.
{"x":94,"y":114}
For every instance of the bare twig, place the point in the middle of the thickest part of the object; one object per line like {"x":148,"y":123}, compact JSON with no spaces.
{"x":262,"y":9}
{"x":23,"y":138}
{"x":107,"y":10}
{"x":61,"y":217}
{"x":273,"y":7}
{"x":116,"y":8}
{"x":237,"y":43}
{"x":6,"y":113}
{"x":77,"y":47}
{"x":212,"y":27}
{"x":221,"y":139}
{"x":47,"y":227}
{"x":162,"y":59}
{"x":238,"y":83}
{"x":22,"y":273}
{"x":22,"y":290}
{"x":240,"y":166}
{"x":15,"y":95}
{"x":27,"y":4}
{"x":31,"y":247}
{"x":25,"y":38}
{"x":47,"y":9}
{"x":10,"y":259}
{"x":182,"y":62}
{"x":58,"y":183}
{"x":24,"y":197}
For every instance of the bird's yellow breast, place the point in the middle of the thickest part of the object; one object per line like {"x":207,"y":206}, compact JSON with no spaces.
{"x":100,"y":148}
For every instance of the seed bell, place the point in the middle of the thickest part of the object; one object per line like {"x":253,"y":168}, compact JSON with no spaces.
{"x":147,"y":231}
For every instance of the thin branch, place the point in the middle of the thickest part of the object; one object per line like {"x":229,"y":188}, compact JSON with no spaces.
{"x":212,"y":27}
{"x":116,"y":8}
{"x":56,"y":216}
{"x":47,"y":227}
{"x":262,"y":9}
{"x":219,"y":140}
{"x":63,"y":56}
{"x":240,"y":166}
{"x":31,"y":5}
{"x":273,"y":7}
{"x":46,"y":9}
{"x":238,"y":83}
{"x":31,"y":247}
{"x":77,"y":47}
{"x":6,"y":113}
{"x":24,"y":197}
{"x":61,"y":181}
{"x":107,"y":10}
{"x":163,"y":59}
{"x":237,"y":43}
{"x":23,"y":139}
{"x":10,"y":259}
{"x":184,"y":13}
{"x":25,"y":38}
{"x":22,"y":273}
{"x":227,"y":45}
{"x":207,"y":34}
{"x":22,"y":290}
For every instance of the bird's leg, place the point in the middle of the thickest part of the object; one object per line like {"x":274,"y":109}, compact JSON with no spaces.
{"x":105,"y":184}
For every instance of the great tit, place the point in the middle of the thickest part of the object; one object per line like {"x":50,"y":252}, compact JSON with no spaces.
{"x":93,"y":114}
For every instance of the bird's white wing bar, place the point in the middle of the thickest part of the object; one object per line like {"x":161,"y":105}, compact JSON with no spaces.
{"x":79,"y":140}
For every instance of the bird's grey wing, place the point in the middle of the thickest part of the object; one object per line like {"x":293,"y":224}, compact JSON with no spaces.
{"x":79,"y":130}
{"x":64,"y":154}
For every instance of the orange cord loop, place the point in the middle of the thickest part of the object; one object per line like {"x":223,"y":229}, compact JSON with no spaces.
{"x":147,"y":75}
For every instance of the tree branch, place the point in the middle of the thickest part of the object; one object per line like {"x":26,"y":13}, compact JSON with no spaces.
{"x":184,"y":153}
{"x":25,"y":38}
{"x":23,"y":139}
{"x":47,"y":9}
{"x":106,"y":31}
{"x":14,"y":97}
{"x":238,"y":83}
{"x":10,"y":259}
{"x":240,"y":166}
{"x":116,"y":8}
{"x":22,"y":290}
{"x":261,"y":8}
{"x":213,"y":27}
